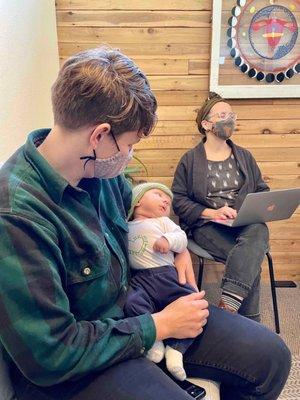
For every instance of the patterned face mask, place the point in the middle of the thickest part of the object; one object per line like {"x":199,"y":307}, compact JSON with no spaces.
{"x":110,"y":167}
{"x":224,"y":129}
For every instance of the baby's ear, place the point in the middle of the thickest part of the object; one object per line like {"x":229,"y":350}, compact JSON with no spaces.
{"x":136,"y":206}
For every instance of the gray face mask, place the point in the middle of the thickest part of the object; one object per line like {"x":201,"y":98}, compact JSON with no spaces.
{"x":113,"y":166}
{"x":224,"y":129}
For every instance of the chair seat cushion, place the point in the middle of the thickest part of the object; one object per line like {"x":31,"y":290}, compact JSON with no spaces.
{"x":199,"y":251}
{"x":212,"y":388}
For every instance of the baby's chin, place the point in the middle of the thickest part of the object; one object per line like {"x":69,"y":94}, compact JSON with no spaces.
{"x":162,"y":214}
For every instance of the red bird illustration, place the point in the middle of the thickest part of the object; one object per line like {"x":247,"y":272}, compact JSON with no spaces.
{"x":273,"y":29}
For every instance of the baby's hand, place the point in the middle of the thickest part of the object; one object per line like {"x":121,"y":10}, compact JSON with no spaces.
{"x":161,"y":245}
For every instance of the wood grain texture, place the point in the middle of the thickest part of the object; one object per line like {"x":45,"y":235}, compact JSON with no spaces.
{"x":195,"y":5}
{"x":142,"y":35}
{"x":112,"y":18}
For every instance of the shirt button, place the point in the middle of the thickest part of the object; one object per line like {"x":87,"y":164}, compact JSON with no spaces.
{"x":86,"y":271}
{"x":106,"y":235}
{"x":142,"y":351}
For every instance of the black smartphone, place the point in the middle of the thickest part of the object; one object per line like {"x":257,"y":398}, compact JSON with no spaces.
{"x":197,"y":392}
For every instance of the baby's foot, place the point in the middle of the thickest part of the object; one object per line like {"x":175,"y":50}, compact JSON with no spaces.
{"x":174,"y":362}
{"x":157,"y":352}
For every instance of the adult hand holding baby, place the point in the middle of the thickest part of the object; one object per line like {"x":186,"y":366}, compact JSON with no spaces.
{"x":184,"y":267}
{"x":183,"y":318}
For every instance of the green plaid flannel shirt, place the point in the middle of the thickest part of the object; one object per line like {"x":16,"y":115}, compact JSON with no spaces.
{"x":64,"y":271}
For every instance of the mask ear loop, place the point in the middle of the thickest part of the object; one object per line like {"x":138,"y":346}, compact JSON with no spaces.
{"x":205,"y":119}
{"x":88,"y":158}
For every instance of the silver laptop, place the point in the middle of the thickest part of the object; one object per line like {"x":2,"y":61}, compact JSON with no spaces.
{"x":264,"y":207}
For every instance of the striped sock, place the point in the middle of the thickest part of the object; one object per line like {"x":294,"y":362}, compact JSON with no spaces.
{"x":232,"y":300}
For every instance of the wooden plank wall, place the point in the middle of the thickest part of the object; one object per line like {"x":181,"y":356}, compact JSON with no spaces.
{"x":170,"y":41}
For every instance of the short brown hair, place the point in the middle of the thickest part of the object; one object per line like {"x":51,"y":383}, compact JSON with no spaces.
{"x":103,"y":85}
{"x":203,"y":112}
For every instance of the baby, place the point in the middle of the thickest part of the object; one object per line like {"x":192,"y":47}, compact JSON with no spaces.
{"x":153,"y":240}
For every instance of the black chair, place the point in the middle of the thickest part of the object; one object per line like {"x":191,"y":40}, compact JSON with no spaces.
{"x":203,"y":254}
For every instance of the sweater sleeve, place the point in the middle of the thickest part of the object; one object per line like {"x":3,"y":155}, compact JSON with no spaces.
{"x":260,"y":184}
{"x":187,"y":209}
{"x":175,"y":236}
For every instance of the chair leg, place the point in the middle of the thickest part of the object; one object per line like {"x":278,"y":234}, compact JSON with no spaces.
{"x":200,"y":272}
{"x":273,"y":290}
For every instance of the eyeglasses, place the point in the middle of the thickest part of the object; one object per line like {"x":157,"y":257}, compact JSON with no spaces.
{"x":223,"y":115}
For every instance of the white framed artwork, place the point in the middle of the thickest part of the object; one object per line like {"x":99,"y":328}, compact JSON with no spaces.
{"x":255,"y":49}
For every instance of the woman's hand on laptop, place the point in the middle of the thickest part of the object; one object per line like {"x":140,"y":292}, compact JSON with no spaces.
{"x":221,"y":213}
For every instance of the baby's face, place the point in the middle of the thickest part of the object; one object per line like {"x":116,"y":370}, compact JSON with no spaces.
{"x":155,"y":203}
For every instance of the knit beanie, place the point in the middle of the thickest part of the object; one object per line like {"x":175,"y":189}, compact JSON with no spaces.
{"x":203,"y":112}
{"x":139,"y":190}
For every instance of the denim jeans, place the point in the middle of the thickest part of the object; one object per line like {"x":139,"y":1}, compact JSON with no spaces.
{"x":242,"y":250}
{"x":249,"y":360}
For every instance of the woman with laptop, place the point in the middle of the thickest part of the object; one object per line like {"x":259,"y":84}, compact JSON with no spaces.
{"x":210,"y":183}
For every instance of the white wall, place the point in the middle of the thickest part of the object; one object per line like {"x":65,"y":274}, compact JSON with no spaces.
{"x":28,"y":67}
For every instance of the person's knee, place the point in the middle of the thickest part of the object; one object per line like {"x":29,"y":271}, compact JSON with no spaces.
{"x":256,"y":235}
{"x":261,"y":231}
{"x":275,"y":361}
{"x":280,"y":354}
